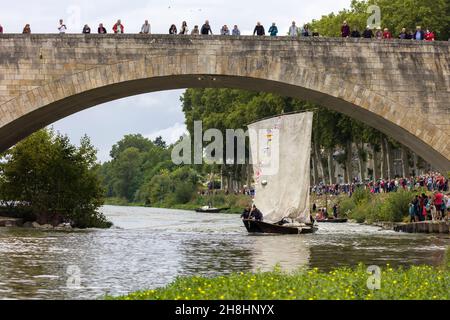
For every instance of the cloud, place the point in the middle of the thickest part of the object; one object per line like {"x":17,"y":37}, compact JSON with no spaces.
{"x":169,"y":135}
{"x":159,"y":113}
{"x":46,"y":13}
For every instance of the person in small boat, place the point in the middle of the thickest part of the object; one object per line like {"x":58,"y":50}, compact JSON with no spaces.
{"x":319,"y":215}
{"x":256,"y":214}
{"x":246,"y":214}
{"x":335,"y":211}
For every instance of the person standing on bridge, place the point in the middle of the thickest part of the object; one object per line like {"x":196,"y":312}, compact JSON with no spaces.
{"x":355,"y":33}
{"x":259,"y":30}
{"x":101,"y":29}
{"x":387,"y":34}
{"x":273,"y":30}
{"x":62,"y":27}
{"x":404,"y":35}
{"x":118,"y":27}
{"x":225,"y":31}
{"x":368,"y":33}
{"x":173,"y":30}
{"x":146,"y":28}
{"x":27,"y":29}
{"x":429,"y":35}
{"x":1,"y":29}
{"x":206,"y":29}
{"x":236,"y":32}
{"x":195,"y":31}
{"x":184,"y":28}
{"x":345,"y":30}
{"x":379,"y":33}
{"x":419,"y":34}
{"x":293,"y":30}
{"x":305,"y":31}
{"x":86,"y":29}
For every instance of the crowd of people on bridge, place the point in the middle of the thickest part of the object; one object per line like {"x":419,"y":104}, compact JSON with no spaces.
{"x":259,"y":30}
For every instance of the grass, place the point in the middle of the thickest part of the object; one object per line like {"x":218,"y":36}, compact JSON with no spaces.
{"x":415,"y":283}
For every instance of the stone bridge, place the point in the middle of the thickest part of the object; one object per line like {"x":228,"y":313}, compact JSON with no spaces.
{"x":401,"y":88}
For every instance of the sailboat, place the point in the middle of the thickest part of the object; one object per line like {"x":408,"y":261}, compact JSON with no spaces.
{"x":281,"y":150}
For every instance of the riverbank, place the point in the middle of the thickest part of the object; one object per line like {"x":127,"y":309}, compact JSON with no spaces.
{"x":235,"y":203}
{"x":415,"y":283}
{"x":7,"y":222}
{"x":372,"y":209}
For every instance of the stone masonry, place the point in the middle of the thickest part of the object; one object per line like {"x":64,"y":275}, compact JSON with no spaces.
{"x":401,"y":88}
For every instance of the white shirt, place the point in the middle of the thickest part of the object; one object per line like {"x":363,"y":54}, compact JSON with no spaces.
{"x":146,"y":28}
{"x":62,"y":28}
{"x":293,"y":31}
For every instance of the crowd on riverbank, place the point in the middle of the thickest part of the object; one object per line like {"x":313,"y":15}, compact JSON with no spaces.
{"x":431,"y":181}
{"x":429,"y":208}
{"x":259,"y":30}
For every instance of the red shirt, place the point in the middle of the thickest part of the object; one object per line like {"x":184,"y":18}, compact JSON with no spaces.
{"x":1,"y":29}
{"x":387,"y":35}
{"x":438,"y":199}
{"x":429,"y":36}
{"x":118,"y":28}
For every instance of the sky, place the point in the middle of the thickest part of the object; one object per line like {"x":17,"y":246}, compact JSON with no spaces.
{"x":157,"y":113}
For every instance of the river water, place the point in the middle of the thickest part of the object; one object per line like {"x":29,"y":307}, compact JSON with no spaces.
{"x":149,"y":248}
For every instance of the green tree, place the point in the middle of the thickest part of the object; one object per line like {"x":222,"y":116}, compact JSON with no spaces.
{"x":54,"y":180}
{"x":395,"y":15}
{"x":127,"y":173}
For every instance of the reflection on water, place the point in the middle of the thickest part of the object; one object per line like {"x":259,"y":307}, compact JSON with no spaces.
{"x":149,"y":248}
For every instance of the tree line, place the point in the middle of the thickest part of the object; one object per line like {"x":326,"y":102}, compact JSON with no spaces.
{"x":395,"y":15}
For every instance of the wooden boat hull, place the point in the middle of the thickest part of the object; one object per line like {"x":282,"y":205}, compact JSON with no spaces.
{"x":264,"y":227}
{"x":333,"y":221}
{"x":208,"y":210}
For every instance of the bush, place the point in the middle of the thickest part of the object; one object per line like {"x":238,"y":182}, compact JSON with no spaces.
{"x":184,"y":193}
{"x":396,"y":206}
{"x":90,"y":219}
{"x":347,"y":207}
{"x":365,"y":207}
{"x":361,"y":196}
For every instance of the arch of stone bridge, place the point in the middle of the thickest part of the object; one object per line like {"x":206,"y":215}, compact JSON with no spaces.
{"x":73,"y":93}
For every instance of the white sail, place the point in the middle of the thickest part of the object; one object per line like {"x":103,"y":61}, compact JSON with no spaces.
{"x":281,"y":154}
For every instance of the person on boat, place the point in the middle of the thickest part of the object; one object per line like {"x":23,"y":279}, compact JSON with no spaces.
{"x":319,"y":215}
{"x":325,"y":213}
{"x":335,"y":211}
{"x":256,"y":214}
{"x":246,"y":214}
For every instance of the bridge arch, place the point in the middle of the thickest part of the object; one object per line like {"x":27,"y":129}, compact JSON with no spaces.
{"x":210,"y":67}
